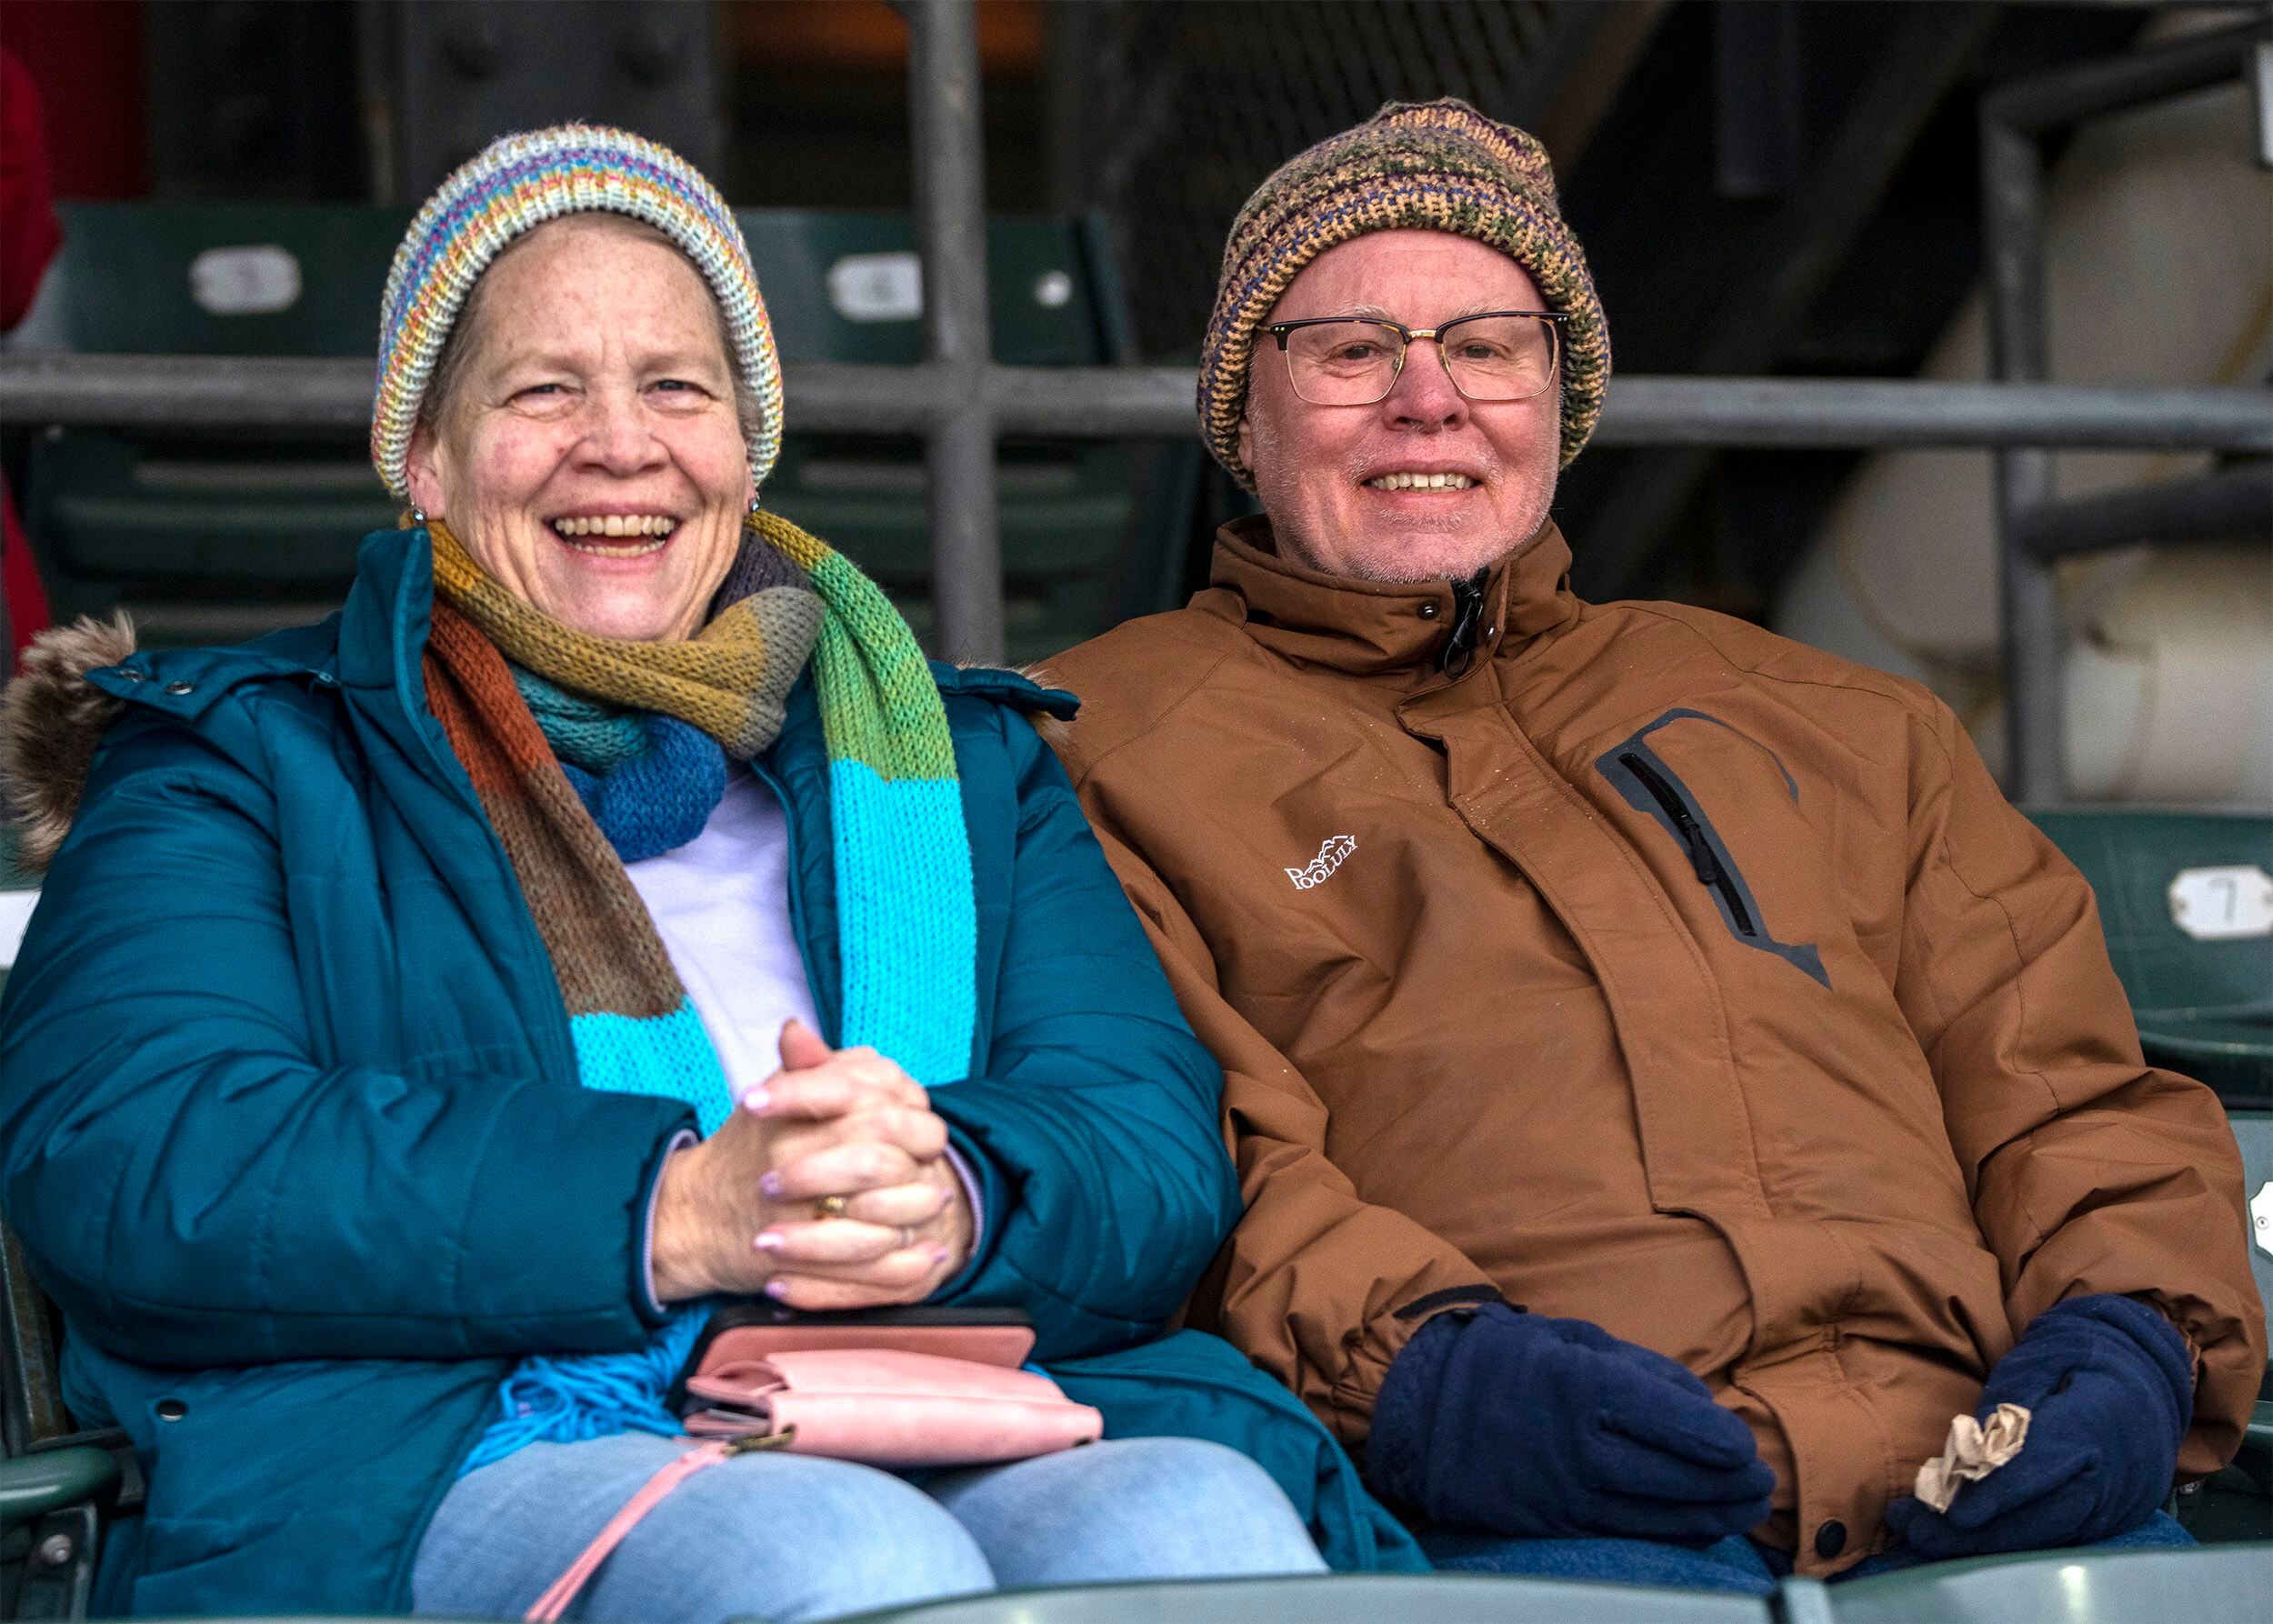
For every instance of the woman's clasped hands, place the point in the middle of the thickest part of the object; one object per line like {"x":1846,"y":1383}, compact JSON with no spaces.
{"x":829,"y":1188}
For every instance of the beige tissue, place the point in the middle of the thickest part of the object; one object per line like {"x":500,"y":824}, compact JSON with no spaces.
{"x":1973,"y":1452}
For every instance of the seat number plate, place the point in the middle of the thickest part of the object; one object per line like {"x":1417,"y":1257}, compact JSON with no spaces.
{"x":254,"y":281}
{"x":877,"y":286}
{"x":2223,"y":904}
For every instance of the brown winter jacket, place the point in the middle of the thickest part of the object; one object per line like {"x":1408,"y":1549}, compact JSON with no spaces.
{"x":1656,"y":971}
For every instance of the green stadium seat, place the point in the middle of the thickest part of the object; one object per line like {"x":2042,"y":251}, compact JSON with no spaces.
{"x":225,"y":280}
{"x":1346,"y":1598}
{"x":217,"y":537}
{"x":58,"y":1485}
{"x":2238,"y":1503}
{"x":1081,"y":520}
{"x":210,"y":536}
{"x":2231,"y":1584}
{"x":2204,"y":1004}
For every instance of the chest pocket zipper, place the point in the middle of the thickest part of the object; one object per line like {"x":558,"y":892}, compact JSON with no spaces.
{"x":1647,"y":785}
{"x":1710,"y":871}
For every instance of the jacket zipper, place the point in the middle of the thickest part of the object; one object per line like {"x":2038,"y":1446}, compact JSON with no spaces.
{"x":1709,"y":871}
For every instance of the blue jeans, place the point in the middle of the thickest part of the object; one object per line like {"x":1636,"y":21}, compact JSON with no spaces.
{"x":794,"y":1537}
{"x":1735,"y":1563}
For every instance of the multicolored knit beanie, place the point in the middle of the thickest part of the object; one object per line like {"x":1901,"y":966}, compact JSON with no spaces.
{"x":1434,"y":166}
{"x":517,"y":183}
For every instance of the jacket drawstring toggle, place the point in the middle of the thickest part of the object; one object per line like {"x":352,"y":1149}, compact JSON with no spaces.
{"x":1467,"y":610}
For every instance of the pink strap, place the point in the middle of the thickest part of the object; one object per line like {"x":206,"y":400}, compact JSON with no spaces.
{"x":548,"y":1608}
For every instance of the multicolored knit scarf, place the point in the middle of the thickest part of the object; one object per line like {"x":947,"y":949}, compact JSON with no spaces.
{"x":548,"y":723}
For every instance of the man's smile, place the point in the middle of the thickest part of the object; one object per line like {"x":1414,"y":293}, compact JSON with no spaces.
{"x":1418,"y":481}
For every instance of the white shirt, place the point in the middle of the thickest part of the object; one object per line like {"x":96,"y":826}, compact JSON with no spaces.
{"x":721,"y":905}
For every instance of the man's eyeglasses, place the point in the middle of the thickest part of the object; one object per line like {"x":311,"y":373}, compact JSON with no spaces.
{"x":1352,"y":360}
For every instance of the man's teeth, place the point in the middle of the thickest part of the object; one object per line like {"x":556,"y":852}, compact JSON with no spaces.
{"x":1421,"y":482}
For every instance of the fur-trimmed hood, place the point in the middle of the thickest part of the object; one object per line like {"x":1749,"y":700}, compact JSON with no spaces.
{"x":51,"y":720}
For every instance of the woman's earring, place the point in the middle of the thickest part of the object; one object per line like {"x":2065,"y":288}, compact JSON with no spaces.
{"x":418,"y":516}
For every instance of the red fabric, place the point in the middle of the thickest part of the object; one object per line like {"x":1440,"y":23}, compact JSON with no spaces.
{"x":28,"y":230}
{"x":29,"y":234}
{"x":87,"y":61}
{"x":20,"y":589}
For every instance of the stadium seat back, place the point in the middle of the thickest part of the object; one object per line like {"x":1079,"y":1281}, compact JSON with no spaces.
{"x":846,"y":284}
{"x":2227,"y":1584}
{"x":2186,"y":901}
{"x":2254,"y":1132}
{"x":58,"y":1487}
{"x":214,"y":537}
{"x":225,"y":280}
{"x":847,"y":287}
{"x":217,"y":536}
{"x":1346,"y":1598}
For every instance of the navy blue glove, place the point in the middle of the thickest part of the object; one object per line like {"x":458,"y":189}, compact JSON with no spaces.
{"x":1538,"y":1428}
{"x":2109,"y":1387}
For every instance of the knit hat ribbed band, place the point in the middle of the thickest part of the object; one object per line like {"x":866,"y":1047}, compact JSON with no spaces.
{"x":517,"y":183}
{"x":1433,"y":166}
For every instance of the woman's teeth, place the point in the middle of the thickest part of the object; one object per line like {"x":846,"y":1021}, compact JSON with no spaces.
{"x":1421,"y":482}
{"x":645,"y":531}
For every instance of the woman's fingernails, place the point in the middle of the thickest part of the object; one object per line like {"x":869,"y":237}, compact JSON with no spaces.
{"x":769,"y":1242}
{"x":776,"y":1290}
{"x":770,"y":1183}
{"x":756,"y":1100}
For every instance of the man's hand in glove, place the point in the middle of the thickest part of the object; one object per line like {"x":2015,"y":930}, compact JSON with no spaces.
{"x":2110,"y":1388}
{"x":1538,"y":1428}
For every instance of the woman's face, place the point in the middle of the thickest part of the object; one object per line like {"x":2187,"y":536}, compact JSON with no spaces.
{"x":590,"y":459}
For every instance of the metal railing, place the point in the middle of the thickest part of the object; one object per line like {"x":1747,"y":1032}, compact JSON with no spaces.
{"x":1157,"y":402}
{"x":960,"y":401}
{"x":2036,"y":529}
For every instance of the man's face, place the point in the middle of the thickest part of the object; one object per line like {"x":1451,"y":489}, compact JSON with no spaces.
{"x":1319,"y":469}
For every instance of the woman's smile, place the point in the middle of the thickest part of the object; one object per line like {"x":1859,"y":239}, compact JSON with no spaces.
{"x":614,"y":534}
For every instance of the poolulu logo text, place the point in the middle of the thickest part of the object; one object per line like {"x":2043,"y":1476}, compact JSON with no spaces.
{"x":1331,"y":856}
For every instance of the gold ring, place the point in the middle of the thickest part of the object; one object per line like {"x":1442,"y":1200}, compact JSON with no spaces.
{"x":829,"y":1206}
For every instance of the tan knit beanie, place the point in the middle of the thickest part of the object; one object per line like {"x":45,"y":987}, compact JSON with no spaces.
{"x":1434,"y":166}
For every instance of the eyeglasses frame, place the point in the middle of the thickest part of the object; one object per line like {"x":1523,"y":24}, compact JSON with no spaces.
{"x":1557,"y":321}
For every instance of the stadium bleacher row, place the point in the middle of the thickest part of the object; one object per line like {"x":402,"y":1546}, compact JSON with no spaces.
{"x":217,"y":537}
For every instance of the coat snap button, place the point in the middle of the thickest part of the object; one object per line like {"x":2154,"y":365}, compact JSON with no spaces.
{"x":1428,"y":611}
{"x":131,"y":674}
{"x":178,"y":687}
{"x":1830,"y":1538}
{"x":171,"y":1409}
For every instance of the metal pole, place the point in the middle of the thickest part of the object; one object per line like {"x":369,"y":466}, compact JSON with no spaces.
{"x":2014,"y":119}
{"x":331,"y":398}
{"x":2086,"y":90}
{"x":2012,"y":198}
{"x":943,"y":99}
{"x":2262,"y":91}
{"x":2229,"y":504}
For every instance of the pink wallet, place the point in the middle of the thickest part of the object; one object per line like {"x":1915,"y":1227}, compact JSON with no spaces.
{"x":886,"y":1395}
{"x":888,"y":1407}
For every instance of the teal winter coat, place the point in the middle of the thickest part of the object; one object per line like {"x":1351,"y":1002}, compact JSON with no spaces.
{"x":291,"y":1130}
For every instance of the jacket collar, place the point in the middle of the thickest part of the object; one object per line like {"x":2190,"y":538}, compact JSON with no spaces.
{"x":1369,"y":627}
